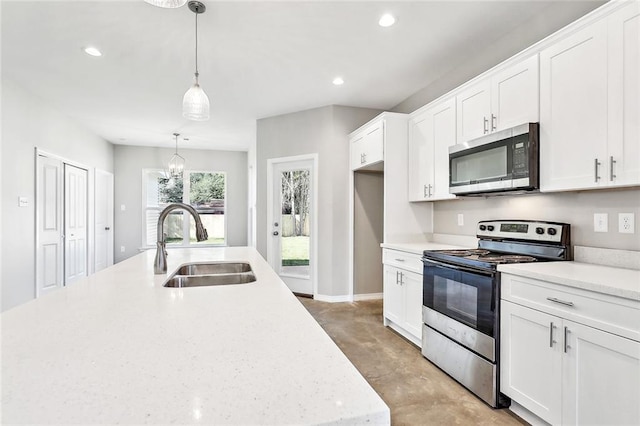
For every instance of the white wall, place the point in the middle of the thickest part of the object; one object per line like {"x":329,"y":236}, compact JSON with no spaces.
{"x":323,"y":131}
{"x":28,"y":122}
{"x":129,"y":162}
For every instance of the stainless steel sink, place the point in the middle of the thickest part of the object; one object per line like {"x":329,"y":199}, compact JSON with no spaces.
{"x":206,"y":280}
{"x":213,"y":268}
{"x":211,"y":274}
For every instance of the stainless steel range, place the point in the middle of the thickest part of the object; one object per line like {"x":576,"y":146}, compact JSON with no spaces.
{"x":461,"y":298}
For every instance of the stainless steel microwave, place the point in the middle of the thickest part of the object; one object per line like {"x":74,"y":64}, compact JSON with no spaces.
{"x":499,"y":162}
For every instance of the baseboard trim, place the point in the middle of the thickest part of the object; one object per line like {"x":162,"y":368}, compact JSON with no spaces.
{"x":367,"y":296}
{"x":333,"y":299}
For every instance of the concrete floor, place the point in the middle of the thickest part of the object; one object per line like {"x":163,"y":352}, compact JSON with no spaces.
{"x":416,"y":391}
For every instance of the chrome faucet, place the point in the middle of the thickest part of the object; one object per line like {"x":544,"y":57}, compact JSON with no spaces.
{"x":160,"y":264}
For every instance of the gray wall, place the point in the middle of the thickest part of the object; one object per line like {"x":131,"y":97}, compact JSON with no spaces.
{"x":27,"y":122}
{"x":323,"y":131}
{"x":129,"y":162}
{"x":368,"y":227}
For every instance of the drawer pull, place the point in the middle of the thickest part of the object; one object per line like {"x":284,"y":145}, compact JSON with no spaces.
{"x":399,"y":260}
{"x":551,"y":341}
{"x":562,"y":302}
{"x":566,"y":344}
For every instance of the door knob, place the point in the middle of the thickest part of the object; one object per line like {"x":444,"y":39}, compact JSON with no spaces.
{"x":275,"y":233}
{"x":275,"y":224}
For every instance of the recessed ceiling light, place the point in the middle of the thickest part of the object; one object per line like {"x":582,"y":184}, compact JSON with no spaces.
{"x":338,"y":81}
{"x":92,"y":51}
{"x":387,"y":20}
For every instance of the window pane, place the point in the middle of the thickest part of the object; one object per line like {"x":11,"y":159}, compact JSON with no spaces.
{"x":207,"y":195}
{"x":173,"y":225}
{"x":295,"y":241}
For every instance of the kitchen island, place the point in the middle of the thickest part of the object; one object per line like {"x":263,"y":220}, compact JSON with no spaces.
{"x":118,"y":347}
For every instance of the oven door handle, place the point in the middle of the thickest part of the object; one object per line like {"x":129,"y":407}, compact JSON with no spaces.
{"x":459,"y":268}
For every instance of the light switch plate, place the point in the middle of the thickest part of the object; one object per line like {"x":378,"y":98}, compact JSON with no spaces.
{"x":626,"y":223}
{"x":600,"y":222}
{"x":460,"y":219}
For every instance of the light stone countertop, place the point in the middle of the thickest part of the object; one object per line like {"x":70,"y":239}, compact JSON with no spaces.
{"x":117,"y":347}
{"x":418,"y":248}
{"x":618,"y":282}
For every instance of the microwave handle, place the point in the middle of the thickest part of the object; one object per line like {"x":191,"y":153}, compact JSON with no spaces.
{"x":458,"y":268}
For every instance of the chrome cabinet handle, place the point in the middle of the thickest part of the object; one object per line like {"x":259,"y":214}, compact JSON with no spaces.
{"x":566,"y":345}
{"x":612,"y":175}
{"x":551,"y":341}
{"x":401,"y":278}
{"x":399,"y":260}
{"x":485,"y":125}
{"x":493,"y":122}
{"x":562,"y":302}
{"x":424,"y":191}
{"x":596,"y":163}
{"x":397,"y":274}
{"x":430,"y":186}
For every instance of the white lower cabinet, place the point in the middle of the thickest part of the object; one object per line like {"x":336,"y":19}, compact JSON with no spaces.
{"x":402,"y":294}
{"x":563,"y":371}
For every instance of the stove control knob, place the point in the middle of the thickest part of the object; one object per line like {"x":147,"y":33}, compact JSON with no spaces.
{"x":490,"y":227}
{"x":539,"y":231}
{"x":551,"y":231}
{"x":483,"y":227}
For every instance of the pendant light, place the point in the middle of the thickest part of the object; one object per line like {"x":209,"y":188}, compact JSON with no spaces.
{"x":168,"y":4}
{"x":195,"y":104}
{"x":176,"y":164}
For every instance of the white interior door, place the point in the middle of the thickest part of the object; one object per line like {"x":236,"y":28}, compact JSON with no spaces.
{"x":75,"y":223}
{"x":50,"y":251}
{"x":103,"y":220}
{"x":292,"y":202}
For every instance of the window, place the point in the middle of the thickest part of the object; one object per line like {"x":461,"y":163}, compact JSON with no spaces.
{"x":204,"y":191}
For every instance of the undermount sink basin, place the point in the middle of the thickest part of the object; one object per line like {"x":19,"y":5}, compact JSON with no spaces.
{"x":213,"y":268}
{"x":211,"y":274}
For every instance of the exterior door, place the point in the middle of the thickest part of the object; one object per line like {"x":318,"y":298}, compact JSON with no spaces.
{"x":75,"y":223}
{"x":290,"y":245}
{"x":50,"y":250}
{"x":103,"y":220}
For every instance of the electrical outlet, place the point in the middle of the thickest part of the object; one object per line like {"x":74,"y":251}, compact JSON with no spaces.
{"x":600,"y":222}
{"x":626,"y":223}
{"x":460,"y":219}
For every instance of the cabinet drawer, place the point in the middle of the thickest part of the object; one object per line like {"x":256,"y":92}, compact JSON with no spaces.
{"x":609,"y":313}
{"x":400,"y":259}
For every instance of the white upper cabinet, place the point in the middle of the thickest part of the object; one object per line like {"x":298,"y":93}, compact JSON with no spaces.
{"x":573,"y":110}
{"x":589,"y":106}
{"x":431,"y":133}
{"x":505,"y":99}
{"x":367,"y":146}
{"x":624,"y":92}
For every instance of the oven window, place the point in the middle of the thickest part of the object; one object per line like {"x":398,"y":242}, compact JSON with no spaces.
{"x":466,"y":297}
{"x":460,"y":299}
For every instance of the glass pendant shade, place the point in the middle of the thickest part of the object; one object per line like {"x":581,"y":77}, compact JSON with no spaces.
{"x":176,"y":165}
{"x":169,"y":4}
{"x":195,"y":104}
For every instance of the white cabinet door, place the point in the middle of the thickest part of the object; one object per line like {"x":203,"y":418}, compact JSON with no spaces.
{"x":412,"y":288}
{"x":531,"y":360}
{"x":442,"y":137}
{"x":431,"y":133}
{"x":357,"y":152}
{"x":474,"y":111}
{"x":601,"y":378}
{"x":573,"y":111}
{"x":392,"y":295}
{"x":624,"y":96}
{"x":515,"y":95}
{"x":374,"y":144}
{"x":420,"y":157}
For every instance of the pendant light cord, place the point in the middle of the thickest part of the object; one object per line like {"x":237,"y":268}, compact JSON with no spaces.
{"x":196,"y":46}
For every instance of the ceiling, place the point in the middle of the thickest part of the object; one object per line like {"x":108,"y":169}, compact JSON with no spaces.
{"x":256,"y":59}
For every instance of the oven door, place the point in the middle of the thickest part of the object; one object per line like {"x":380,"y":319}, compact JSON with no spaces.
{"x":463,"y":294}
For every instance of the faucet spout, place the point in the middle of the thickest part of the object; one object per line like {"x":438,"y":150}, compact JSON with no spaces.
{"x":160,"y":263}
